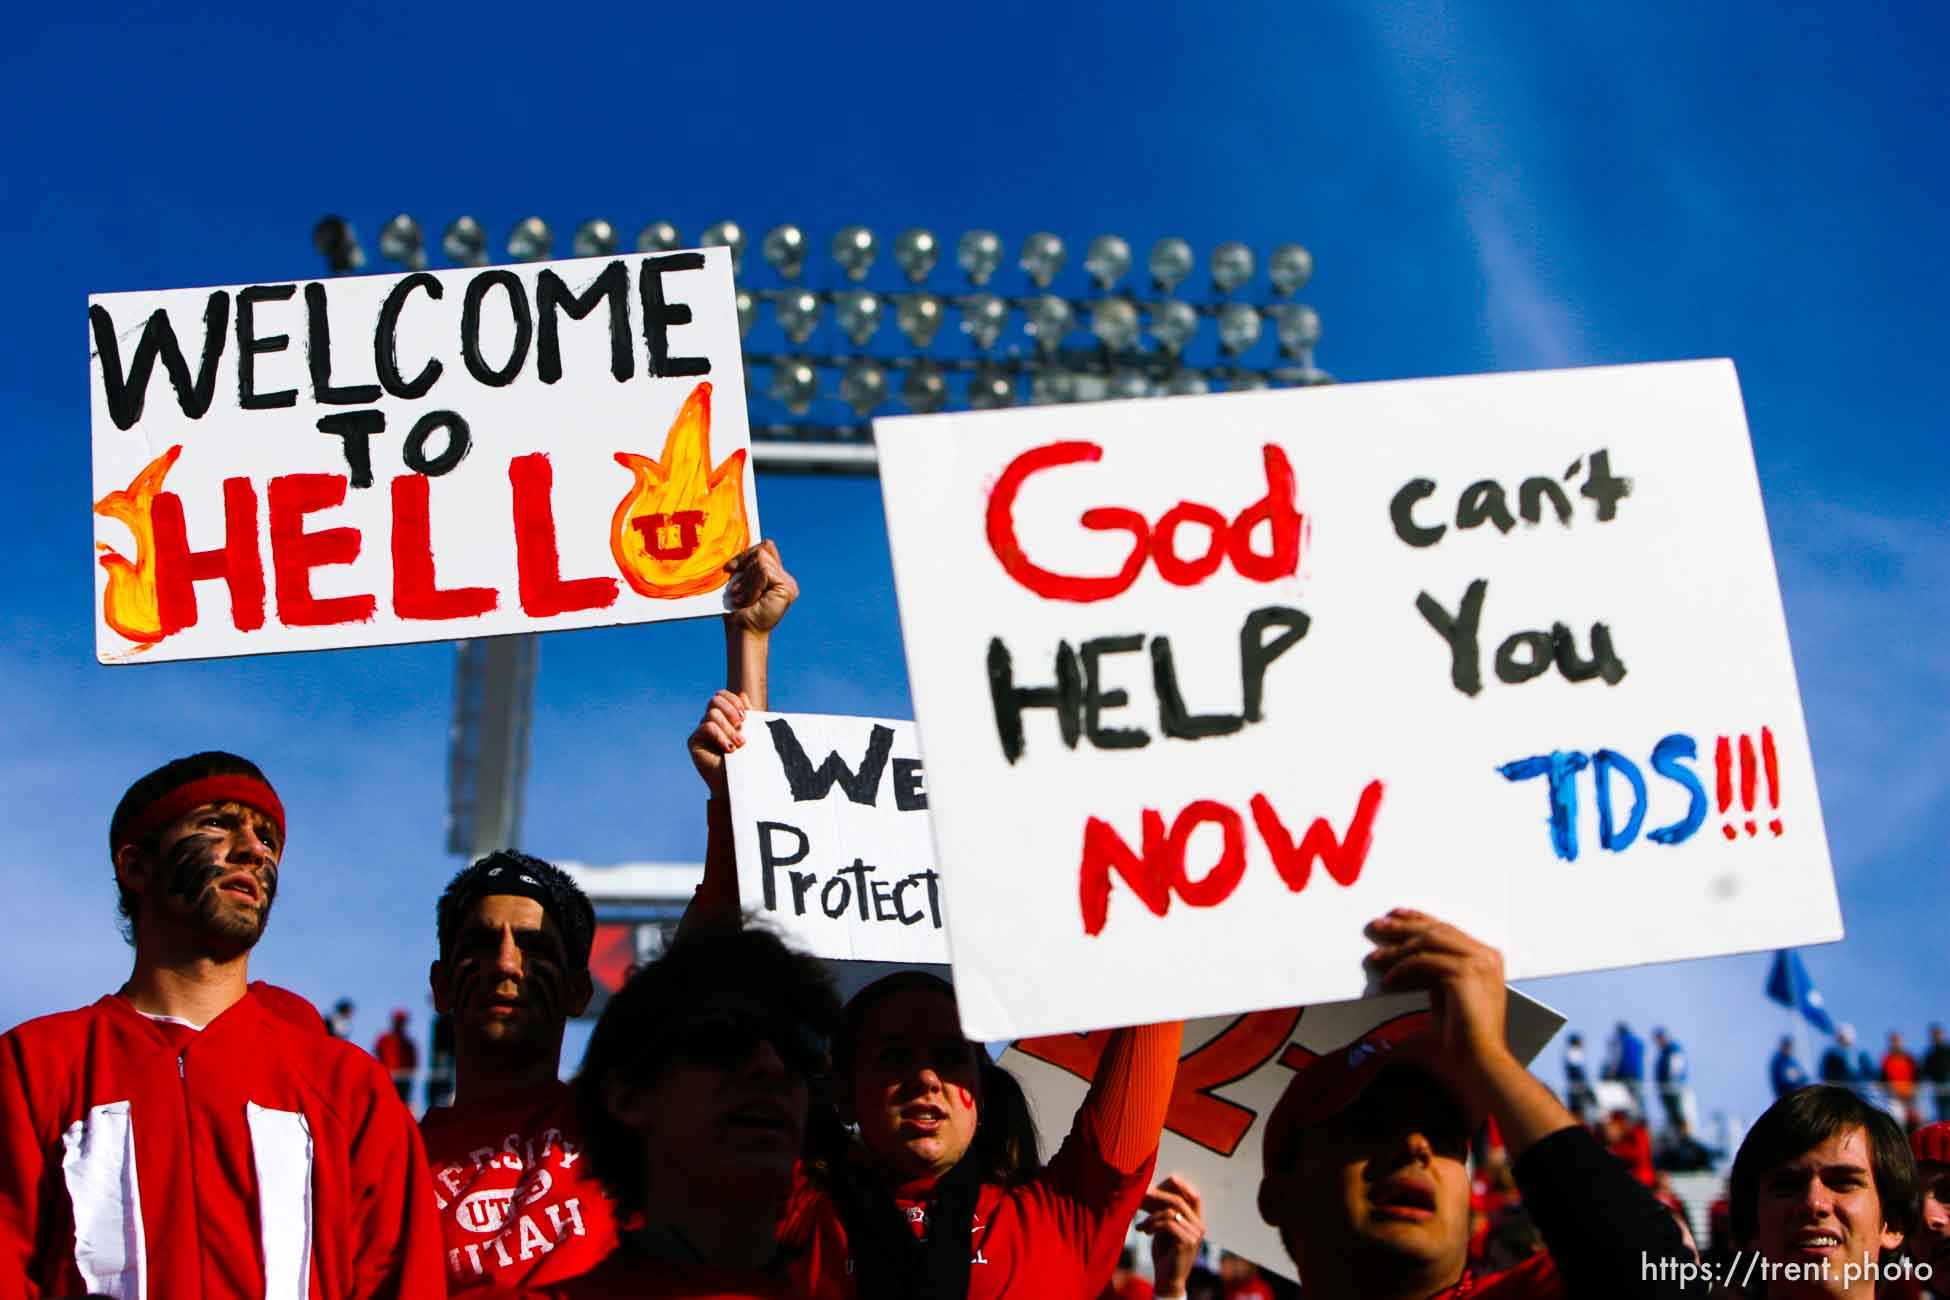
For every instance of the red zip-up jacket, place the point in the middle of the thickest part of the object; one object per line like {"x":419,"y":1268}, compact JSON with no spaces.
{"x":256,"y":1159}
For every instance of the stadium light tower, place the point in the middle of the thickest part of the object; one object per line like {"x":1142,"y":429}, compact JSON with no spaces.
{"x":831,"y":343}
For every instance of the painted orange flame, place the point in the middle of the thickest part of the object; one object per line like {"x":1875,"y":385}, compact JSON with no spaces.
{"x":683,"y":519}
{"x":129,"y":604}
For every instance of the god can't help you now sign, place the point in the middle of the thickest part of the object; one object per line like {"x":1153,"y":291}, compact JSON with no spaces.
{"x":384,"y":459}
{"x":1204,"y":684}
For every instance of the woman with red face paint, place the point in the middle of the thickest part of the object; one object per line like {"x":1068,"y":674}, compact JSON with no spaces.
{"x":936,"y":1195}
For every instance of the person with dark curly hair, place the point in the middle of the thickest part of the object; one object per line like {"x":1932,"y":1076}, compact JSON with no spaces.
{"x":694,"y":1097}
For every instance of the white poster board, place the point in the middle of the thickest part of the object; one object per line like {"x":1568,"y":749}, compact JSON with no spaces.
{"x":1495,"y":631}
{"x":1233,"y":1070}
{"x":830,"y":815}
{"x":382,"y":459}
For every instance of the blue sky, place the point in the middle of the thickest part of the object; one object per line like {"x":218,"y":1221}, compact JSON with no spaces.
{"x":1483,"y":188}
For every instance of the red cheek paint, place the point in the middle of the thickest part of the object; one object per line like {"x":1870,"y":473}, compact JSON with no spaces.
{"x":967,"y":1097}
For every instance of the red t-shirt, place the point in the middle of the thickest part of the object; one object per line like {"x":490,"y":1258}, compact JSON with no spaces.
{"x":518,"y":1205}
{"x":1134,"y":1288}
{"x":1251,"y":1288}
{"x":255,"y":1159}
{"x":1060,"y":1233}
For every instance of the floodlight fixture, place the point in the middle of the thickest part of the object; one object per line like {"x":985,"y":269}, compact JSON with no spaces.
{"x":1170,"y":263}
{"x":333,"y":237}
{"x":658,"y":237}
{"x":1187,"y":383}
{"x":794,"y":384}
{"x":919,"y":316}
{"x":1289,"y":267}
{"x":400,"y":241}
{"x":1113,"y":335}
{"x":785,"y":250}
{"x":859,"y":315}
{"x":1048,"y":387}
{"x":1231,"y":265}
{"x":1239,"y":327}
{"x":1048,"y":319}
{"x":798,"y":313}
{"x":726,"y":234}
{"x":915,"y":252}
{"x":1042,"y":258}
{"x":1298,"y":326}
{"x":978,"y":255}
{"x":991,"y":388}
{"x":854,"y":249}
{"x":925,"y":390}
{"x":1107,"y":261}
{"x":595,"y":238}
{"x":530,"y":240}
{"x":1173,"y":323}
{"x":465,"y":242}
{"x":864,"y":385}
{"x":1115,"y":323}
{"x":983,"y":317}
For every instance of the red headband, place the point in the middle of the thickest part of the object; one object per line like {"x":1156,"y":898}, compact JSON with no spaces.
{"x":246,"y":790}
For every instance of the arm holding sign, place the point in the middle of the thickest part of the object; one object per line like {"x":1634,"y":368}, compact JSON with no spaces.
{"x":1092,"y":1186}
{"x":761,"y":591}
{"x":1464,"y":981}
{"x":1600,"y":1224}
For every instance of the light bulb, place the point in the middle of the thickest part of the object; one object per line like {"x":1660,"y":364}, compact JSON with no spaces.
{"x":785,"y":250}
{"x":595,"y":238}
{"x":1173,"y":323}
{"x":1231,"y":265}
{"x":915,"y":252}
{"x":1171,"y":262}
{"x":983,"y":316}
{"x":1289,"y":267}
{"x":859,"y":315}
{"x":1108,"y":261}
{"x":853,"y":252}
{"x":978,"y":254}
{"x":798,"y":313}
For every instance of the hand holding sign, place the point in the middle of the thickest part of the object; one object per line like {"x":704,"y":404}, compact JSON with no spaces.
{"x":721,"y":731}
{"x":761,"y":589}
{"x":1464,"y":981}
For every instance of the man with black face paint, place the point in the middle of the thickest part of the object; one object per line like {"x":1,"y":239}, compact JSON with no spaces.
{"x":1366,"y":1173}
{"x":195,"y":1134}
{"x":518,"y":1204}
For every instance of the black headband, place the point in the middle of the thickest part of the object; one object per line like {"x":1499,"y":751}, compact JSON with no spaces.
{"x":508,"y":878}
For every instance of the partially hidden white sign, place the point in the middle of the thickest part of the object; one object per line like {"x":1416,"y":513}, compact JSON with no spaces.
{"x":1233,"y":1070}
{"x":382,"y":459}
{"x":830,"y":815}
{"x":1225,"y":677}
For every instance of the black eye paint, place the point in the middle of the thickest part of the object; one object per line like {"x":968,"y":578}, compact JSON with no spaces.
{"x":192,"y":865}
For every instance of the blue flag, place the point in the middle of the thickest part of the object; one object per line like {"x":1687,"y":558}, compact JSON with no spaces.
{"x":1789,"y":985}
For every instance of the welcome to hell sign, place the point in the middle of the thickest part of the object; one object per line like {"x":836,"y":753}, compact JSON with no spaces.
{"x":383,"y":459}
{"x":1204,"y":684}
